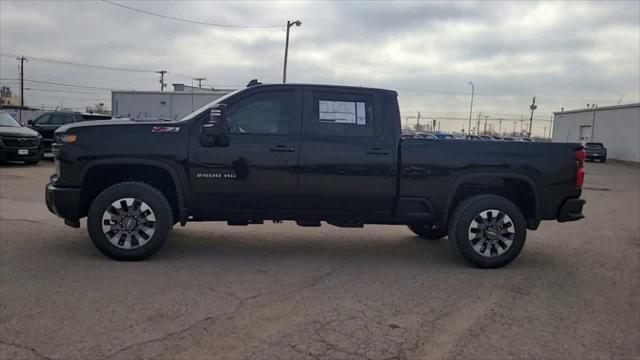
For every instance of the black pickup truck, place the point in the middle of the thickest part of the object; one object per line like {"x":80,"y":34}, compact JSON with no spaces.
{"x":307,"y":153}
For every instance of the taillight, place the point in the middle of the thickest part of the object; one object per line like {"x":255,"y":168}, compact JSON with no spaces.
{"x":580,"y":157}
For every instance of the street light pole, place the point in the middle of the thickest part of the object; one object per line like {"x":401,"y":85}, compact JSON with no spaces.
{"x":533,"y":107}
{"x":471,"y":107}
{"x":286,"y":48}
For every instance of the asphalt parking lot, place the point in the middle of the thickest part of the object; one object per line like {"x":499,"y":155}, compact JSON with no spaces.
{"x":281,"y":291}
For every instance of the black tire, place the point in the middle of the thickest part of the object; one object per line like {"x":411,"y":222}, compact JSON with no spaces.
{"x":427,"y":232}
{"x":466,"y":215}
{"x":150,"y":196}
{"x":603,"y":160}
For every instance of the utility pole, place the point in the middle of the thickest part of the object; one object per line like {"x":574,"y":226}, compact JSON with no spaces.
{"x":286,"y":48}
{"x":478,"y":125}
{"x":486,"y":117}
{"x":418,"y":122}
{"x":473,"y":89}
{"x":500,"y":127}
{"x":533,"y":107}
{"x":162,"y":84}
{"x":199,"y":80}
{"x":22,"y":60}
{"x":514,"y":128}
{"x":521,"y":123}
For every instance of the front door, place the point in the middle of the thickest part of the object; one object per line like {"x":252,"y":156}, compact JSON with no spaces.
{"x":256,"y":171}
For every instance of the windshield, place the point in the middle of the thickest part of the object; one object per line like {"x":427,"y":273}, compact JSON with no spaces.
{"x":8,"y":120}
{"x":210,"y":104}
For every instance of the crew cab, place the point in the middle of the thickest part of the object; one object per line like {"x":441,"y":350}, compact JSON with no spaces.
{"x":309,"y":154}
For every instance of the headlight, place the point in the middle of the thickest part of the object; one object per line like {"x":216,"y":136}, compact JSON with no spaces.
{"x":66,"y":138}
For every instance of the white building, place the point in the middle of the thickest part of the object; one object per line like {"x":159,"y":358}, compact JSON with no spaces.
{"x":163,"y":104}
{"x":617,"y":127}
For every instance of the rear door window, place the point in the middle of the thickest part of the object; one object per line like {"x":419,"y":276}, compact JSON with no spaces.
{"x":61,"y":119}
{"x":43,"y":120}
{"x":341,"y":114}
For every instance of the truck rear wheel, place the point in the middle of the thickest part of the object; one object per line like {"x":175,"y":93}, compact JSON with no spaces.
{"x":130,"y":221}
{"x":427,"y":232}
{"x":488,"y":231}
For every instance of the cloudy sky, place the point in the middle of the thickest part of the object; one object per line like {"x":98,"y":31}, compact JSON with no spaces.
{"x":568,"y":54}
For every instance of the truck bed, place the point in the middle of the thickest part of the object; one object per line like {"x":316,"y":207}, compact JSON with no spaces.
{"x":435,"y":168}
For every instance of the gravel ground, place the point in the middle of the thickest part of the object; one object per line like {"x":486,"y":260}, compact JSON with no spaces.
{"x":281,"y":291}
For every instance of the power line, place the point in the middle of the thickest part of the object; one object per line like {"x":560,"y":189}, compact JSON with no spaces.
{"x":65,"y":91}
{"x":146,"y":12}
{"x":82,"y":64}
{"x":61,"y":84}
{"x":93,"y":66}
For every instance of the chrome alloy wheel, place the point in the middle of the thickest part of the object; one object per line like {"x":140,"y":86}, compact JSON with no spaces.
{"x":491,"y":233}
{"x":128,"y":223}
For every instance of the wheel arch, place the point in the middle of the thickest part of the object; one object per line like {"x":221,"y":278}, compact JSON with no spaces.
{"x":176,"y":174}
{"x":531,"y":211}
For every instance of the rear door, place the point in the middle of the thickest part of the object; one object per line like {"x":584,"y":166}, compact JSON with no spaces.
{"x":347,"y":164}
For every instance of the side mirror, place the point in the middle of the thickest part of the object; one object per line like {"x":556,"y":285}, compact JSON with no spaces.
{"x":214,"y":130}
{"x":217,"y":123}
{"x":29,"y":122}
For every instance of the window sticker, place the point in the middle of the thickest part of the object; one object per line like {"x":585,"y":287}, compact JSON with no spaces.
{"x":343,"y":112}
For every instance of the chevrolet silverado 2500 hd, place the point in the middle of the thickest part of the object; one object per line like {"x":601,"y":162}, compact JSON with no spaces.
{"x":307,"y":153}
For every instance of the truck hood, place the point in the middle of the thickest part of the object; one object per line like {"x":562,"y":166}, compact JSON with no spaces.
{"x":17,"y":131}
{"x":111,"y":123}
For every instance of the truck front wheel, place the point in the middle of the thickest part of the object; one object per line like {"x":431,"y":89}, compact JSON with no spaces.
{"x":489,"y":231}
{"x":130,"y":221}
{"x":427,"y":231}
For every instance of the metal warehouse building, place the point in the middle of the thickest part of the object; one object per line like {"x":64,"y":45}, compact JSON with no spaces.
{"x":163,"y":104}
{"x":617,"y":127}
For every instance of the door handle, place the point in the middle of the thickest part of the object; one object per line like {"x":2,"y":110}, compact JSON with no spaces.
{"x":283,"y":148}
{"x":378,"y":151}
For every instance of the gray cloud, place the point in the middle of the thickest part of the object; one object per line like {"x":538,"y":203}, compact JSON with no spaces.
{"x":567,"y":53}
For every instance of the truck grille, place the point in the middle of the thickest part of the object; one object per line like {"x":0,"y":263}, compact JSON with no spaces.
{"x":19,"y":142}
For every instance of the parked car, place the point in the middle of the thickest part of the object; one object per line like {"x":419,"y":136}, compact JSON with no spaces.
{"x":443,"y":136}
{"x":263,"y":153}
{"x":18,"y":143}
{"x":47,"y":123}
{"x":595,"y":151}
{"x":473,"y":137}
{"x":486,"y":137}
{"x":425,"y":135}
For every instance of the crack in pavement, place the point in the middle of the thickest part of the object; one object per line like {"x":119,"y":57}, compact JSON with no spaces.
{"x":24,"y":347}
{"x":174,"y":333}
{"x":241,"y":304}
{"x":39,"y":222}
